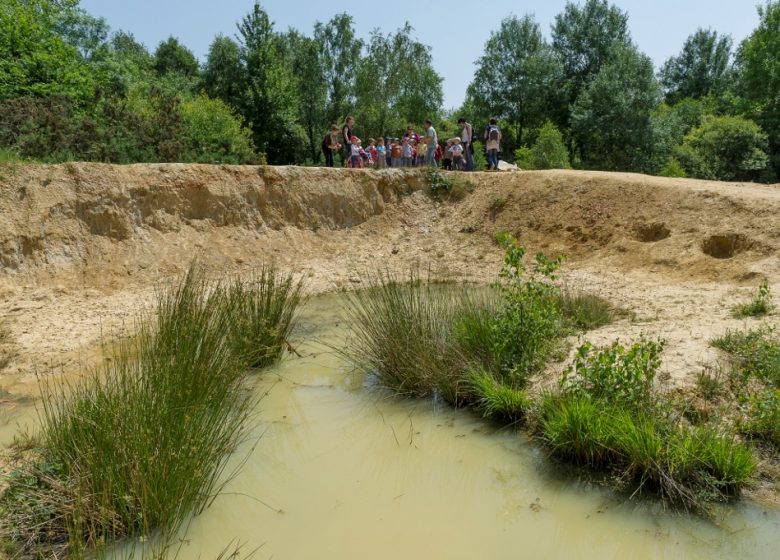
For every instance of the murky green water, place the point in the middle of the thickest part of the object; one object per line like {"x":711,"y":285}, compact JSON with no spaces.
{"x":340,"y":471}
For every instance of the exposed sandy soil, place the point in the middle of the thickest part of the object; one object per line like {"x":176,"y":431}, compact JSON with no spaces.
{"x":82,"y":246}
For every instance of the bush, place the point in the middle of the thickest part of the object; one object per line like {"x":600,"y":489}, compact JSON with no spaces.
{"x":616,"y":375}
{"x":547,"y":152}
{"x":756,"y":355}
{"x":725,"y":149}
{"x":214,"y":134}
{"x":763,"y":418}
{"x":673,"y":168}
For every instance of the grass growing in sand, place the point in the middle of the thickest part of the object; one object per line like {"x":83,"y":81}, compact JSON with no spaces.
{"x":760,"y":305}
{"x":137,"y":447}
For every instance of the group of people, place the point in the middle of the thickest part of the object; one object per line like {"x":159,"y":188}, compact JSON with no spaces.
{"x":411,"y":149}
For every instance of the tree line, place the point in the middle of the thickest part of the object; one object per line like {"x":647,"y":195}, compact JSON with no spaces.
{"x":586,"y":98}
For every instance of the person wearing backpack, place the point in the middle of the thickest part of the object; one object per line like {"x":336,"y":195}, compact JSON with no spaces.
{"x":466,"y":136}
{"x":492,"y":144}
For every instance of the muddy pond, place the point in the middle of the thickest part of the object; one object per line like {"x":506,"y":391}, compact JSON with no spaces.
{"x":338,"y":469}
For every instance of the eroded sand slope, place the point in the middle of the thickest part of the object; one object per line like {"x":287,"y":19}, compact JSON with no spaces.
{"x":83,"y":245}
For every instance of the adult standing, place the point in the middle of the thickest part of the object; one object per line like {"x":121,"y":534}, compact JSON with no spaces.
{"x":492,"y":144}
{"x":465,"y":140}
{"x":433,"y":141}
{"x":330,"y":145}
{"x":346,"y":139}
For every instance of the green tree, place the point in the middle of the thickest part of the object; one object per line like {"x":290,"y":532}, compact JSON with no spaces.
{"x":172,"y":56}
{"x":81,"y":30}
{"x":271,"y":100}
{"x":213,"y":134}
{"x":224,"y":75}
{"x":547,"y":152}
{"x":585,"y":38}
{"x":393,"y":91}
{"x":34,"y":58}
{"x":611,"y":120}
{"x":304,"y":54}
{"x":701,"y":69}
{"x":341,"y":53}
{"x":519,"y":79}
{"x":724,"y":148}
{"x":759,"y":70}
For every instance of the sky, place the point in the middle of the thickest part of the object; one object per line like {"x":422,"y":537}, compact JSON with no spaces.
{"x":456,"y":30}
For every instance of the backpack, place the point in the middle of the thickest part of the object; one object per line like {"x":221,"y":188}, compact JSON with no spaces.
{"x":493,"y":133}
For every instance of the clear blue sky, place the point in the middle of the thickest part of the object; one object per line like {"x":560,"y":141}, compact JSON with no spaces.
{"x":455,"y":29}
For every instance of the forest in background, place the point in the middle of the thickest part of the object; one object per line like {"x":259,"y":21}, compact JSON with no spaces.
{"x":588,"y":98}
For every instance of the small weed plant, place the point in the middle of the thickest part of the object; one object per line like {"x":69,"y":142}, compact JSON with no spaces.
{"x":755,"y":353}
{"x":760,"y":305}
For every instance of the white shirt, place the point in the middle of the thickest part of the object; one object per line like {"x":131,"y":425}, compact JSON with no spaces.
{"x":465,"y":136}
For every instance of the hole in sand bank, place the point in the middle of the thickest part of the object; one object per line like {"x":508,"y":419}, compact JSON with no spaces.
{"x":725,"y":246}
{"x":648,"y":233}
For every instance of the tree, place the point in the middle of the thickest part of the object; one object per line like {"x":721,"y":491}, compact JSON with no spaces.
{"x":547,"y":152}
{"x":172,"y":56}
{"x":759,"y":71}
{"x":585,"y":37}
{"x":341,"y":51}
{"x":304,"y":54}
{"x":271,"y":101}
{"x":34,"y":58}
{"x":393,"y":91}
{"x":213,"y":134}
{"x":611,"y":119}
{"x":81,"y":30}
{"x":724,"y":148}
{"x":224,"y":75}
{"x":519,"y":78}
{"x":701,"y":69}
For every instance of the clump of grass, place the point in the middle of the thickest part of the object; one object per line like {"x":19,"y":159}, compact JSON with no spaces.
{"x":709,"y":385}
{"x":586,"y":311}
{"x":756,"y":354}
{"x":141,"y":444}
{"x":263,"y":309}
{"x":607,"y":417}
{"x":497,"y":205}
{"x":760,"y":305}
{"x":6,"y":353}
{"x":495,"y":399}
{"x":441,"y":186}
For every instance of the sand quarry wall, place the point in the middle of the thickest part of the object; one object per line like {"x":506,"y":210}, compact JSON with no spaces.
{"x":117,"y":224}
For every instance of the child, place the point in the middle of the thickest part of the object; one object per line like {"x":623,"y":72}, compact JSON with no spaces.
{"x":448,"y":156}
{"x":381,"y":154}
{"x":373,"y":153}
{"x":422,"y":150}
{"x":395,"y":153}
{"x":457,"y":154}
{"x":406,"y":152}
{"x":355,"y":153}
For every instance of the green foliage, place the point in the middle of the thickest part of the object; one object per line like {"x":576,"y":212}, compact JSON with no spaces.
{"x":724,"y":148}
{"x":616,"y":375}
{"x":700,"y":69}
{"x":519,"y":80}
{"x":673,"y":168}
{"x":213,"y":134}
{"x":763,"y":418}
{"x":529,"y":324}
{"x":445,"y":186}
{"x":142,"y":443}
{"x":547,"y":152}
{"x":759,"y":306}
{"x":611,"y":120}
{"x":172,"y":56}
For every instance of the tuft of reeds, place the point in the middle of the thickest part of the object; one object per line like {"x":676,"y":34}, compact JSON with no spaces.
{"x":496,"y":400}
{"x":403,"y":331}
{"x":585,"y":311}
{"x":141,"y":444}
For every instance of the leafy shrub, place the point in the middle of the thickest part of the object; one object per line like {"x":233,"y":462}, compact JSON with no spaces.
{"x":616,"y":375}
{"x":763,"y":418}
{"x":673,"y":168}
{"x":529,"y":323}
{"x":759,"y":306}
{"x":214,"y":134}
{"x":547,"y":152}
{"x":724,"y":148}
